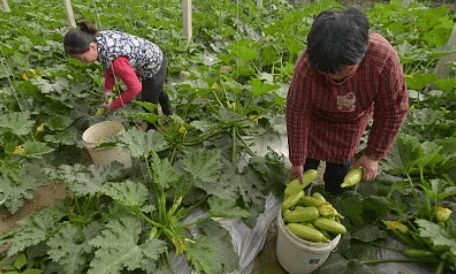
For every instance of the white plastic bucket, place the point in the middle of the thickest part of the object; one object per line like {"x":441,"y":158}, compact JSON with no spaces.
{"x":298,"y":256}
{"x":99,"y":133}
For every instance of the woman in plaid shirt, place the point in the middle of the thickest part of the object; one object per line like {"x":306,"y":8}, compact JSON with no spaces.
{"x":345,"y":77}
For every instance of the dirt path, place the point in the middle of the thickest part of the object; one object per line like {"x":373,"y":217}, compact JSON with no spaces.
{"x":45,"y":195}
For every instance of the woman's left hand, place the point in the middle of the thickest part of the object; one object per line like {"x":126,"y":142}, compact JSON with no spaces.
{"x":370,"y":167}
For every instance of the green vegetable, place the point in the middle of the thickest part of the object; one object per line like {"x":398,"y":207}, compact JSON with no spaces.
{"x":442,"y":214}
{"x":417,"y":253}
{"x":310,"y":201}
{"x":295,"y":185}
{"x":330,"y":225}
{"x":317,"y":195}
{"x":307,"y":233}
{"x":301,"y":214}
{"x":353,"y":177}
{"x":292,"y":201}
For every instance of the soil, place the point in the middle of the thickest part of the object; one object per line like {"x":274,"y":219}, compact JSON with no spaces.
{"x":46,"y":195}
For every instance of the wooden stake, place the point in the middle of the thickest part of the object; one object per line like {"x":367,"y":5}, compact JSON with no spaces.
{"x":5,"y":6}
{"x":187,"y":18}
{"x":69,"y":12}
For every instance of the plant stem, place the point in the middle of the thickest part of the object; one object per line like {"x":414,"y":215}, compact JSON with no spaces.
{"x":381,"y":261}
{"x":386,"y":247}
{"x":246,"y":146}
{"x":233,"y":151}
{"x":415,"y":195}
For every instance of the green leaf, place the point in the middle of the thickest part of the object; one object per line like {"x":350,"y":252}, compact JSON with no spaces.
{"x":33,"y":230}
{"x":20,"y":261}
{"x":127,"y":193}
{"x":204,"y":165}
{"x":35,"y":149}
{"x":141,"y":143}
{"x":68,"y":247}
{"x":84,"y":180}
{"x":14,"y":193}
{"x":376,"y":207}
{"x":350,"y":206}
{"x":226,"y":208}
{"x":18,"y":123}
{"x":439,"y":237}
{"x":221,"y":241}
{"x":404,"y":155}
{"x":259,"y":88}
{"x":369,"y":233}
{"x":58,"y":122}
{"x":32,"y":271}
{"x":420,"y":80}
{"x":224,"y":187}
{"x":118,"y":248}
{"x":164,"y":173}
{"x":203,"y":257}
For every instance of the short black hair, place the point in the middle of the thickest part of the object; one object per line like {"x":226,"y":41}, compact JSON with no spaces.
{"x":338,"y":38}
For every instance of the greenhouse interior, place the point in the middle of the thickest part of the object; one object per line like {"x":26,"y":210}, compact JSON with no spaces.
{"x":228,"y":136}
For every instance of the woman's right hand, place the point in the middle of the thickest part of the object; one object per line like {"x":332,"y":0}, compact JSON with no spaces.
{"x":297,"y":172}
{"x":107,"y":95}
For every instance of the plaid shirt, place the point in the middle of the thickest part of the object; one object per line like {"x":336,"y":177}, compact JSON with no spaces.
{"x":325,"y":120}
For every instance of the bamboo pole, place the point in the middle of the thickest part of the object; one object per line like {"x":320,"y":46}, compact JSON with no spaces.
{"x":187,"y":18}
{"x":5,"y":6}
{"x":69,"y":12}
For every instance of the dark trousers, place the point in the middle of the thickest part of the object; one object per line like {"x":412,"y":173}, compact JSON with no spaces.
{"x":152,"y":89}
{"x":334,"y":174}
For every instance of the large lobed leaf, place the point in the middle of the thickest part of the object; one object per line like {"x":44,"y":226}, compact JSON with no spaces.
{"x":18,"y":123}
{"x":127,"y":193}
{"x":13,"y":193}
{"x":404,"y":155}
{"x":84,"y":180}
{"x":203,"y":257}
{"x":439,"y":237}
{"x":164,"y":173}
{"x":226,"y":208}
{"x":34,"y":230}
{"x":70,"y":248}
{"x":118,"y":248}
{"x":203,"y":165}
{"x":141,"y":143}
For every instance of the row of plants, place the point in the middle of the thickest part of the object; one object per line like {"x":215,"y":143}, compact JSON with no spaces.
{"x":228,"y":89}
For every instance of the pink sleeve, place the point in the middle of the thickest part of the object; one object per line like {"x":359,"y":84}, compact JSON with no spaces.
{"x":109,"y":80}
{"x":123,"y":70}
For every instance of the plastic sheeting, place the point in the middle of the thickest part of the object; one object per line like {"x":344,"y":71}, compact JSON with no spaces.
{"x":247,"y":242}
{"x":393,"y":268}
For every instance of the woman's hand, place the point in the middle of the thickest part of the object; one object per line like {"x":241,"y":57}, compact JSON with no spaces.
{"x":297,"y":172}
{"x":370,"y":167}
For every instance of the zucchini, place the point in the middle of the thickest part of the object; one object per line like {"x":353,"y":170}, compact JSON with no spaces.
{"x":330,"y":225}
{"x":353,"y":177}
{"x":307,"y":233}
{"x":317,"y":195}
{"x":310,"y":201}
{"x":301,"y":214}
{"x":417,"y":253}
{"x":292,"y":201}
{"x":295,"y":185}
